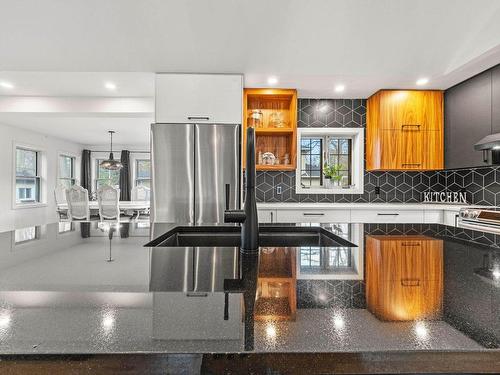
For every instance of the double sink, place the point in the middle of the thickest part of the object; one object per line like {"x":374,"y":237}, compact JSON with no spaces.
{"x":230,"y":236}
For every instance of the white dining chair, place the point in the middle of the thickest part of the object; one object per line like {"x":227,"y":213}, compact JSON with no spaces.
{"x":60,"y":198}
{"x":78,"y":203}
{"x":141,"y":193}
{"x":108,"y":199}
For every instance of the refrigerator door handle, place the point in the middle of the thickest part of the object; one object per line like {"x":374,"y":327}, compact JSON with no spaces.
{"x":228,"y":195}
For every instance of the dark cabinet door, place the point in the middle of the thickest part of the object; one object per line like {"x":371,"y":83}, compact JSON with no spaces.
{"x":467,"y":120}
{"x":495,"y":99}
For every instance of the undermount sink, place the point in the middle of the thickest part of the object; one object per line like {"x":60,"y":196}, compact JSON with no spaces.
{"x":269,"y":236}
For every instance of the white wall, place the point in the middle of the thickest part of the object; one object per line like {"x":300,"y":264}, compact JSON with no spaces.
{"x":11,"y":217}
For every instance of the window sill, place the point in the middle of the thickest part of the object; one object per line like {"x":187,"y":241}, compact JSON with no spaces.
{"x":17,"y":206}
{"x":352,"y":190}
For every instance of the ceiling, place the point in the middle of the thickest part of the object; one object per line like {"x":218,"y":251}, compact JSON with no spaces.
{"x":78,"y":83}
{"x":313,"y":45}
{"x":72,"y":48}
{"x":89,"y":131}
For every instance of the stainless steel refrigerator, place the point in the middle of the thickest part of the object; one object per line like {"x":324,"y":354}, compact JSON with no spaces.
{"x":196,"y":172}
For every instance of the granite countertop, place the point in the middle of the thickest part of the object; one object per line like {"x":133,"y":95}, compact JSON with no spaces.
{"x":61,"y":293}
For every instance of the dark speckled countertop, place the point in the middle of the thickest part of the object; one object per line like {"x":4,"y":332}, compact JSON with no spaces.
{"x":67,"y":293}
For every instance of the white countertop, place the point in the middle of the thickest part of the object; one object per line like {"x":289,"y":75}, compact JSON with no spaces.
{"x":363,"y":206}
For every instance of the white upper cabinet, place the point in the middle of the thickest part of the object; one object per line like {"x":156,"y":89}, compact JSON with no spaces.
{"x":199,"y":98}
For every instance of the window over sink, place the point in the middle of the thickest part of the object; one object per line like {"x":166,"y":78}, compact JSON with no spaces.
{"x":330,"y":161}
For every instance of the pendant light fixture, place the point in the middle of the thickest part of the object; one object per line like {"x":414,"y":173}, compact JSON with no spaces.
{"x":111,"y":163}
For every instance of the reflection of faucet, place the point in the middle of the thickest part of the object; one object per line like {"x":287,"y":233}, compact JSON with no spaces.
{"x":248,"y":216}
{"x":247,"y":285}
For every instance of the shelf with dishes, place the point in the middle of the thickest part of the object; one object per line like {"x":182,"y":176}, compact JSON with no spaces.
{"x":277,"y":285}
{"x":273,"y":114}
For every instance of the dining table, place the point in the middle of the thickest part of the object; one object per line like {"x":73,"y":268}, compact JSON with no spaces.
{"x":123,"y":205}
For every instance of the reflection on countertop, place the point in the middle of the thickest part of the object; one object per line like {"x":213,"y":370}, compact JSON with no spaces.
{"x":92,"y":288}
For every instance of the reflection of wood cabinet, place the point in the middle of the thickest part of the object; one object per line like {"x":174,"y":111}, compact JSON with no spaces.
{"x":405,"y":130}
{"x":404,"y":277}
{"x":277,"y":285}
{"x":276,"y":127}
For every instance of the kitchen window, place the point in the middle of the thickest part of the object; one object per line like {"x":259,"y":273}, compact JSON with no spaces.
{"x":330,"y":161}
{"x":106,"y":176}
{"x":143,"y":172}
{"x":324,"y":260}
{"x":28,"y":180}
{"x":66,"y":170}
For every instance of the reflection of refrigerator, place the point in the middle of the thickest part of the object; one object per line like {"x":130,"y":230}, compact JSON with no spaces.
{"x":196,"y":172}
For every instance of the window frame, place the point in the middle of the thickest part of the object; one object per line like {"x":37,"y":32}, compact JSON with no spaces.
{"x":136,"y":169}
{"x":40,"y":176}
{"x":97,"y":161}
{"x":357,"y":159}
{"x":73,"y":178}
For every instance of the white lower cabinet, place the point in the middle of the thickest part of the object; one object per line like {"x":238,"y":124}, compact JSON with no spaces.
{"x":267,"y":216}
{"x":434,"y":216}
{"x":313,"y":216}
{"x":357,"y":215}
{"x":450,"y":218}
{"x":387,"y":216}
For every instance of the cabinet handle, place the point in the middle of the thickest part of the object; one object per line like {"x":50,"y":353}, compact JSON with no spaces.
{"x":313,"y":214}
{"x":411,"y":126}
{"x":387,"y":214}
{"x":409,"y":244}
{"x":203,"y":118}
{"x":272,"y":219}
{"x":196,"y":294}
{"x":410,"y":282}
{"x":411,"y":164}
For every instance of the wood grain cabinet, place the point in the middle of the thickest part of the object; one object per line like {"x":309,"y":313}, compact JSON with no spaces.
{"x":404,"y":277}
{"x":405,"y":130}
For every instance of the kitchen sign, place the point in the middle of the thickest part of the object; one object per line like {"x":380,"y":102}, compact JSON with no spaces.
{"x":444,"y":197}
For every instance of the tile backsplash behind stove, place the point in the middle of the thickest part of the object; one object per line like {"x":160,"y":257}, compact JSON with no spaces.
{"x":482,"y":184}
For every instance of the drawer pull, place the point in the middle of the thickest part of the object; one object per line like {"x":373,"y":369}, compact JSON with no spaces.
{"x":201,"y":118}
{"x":196,"y":294}
{"x":410,"y":282}
{"x":411,"y":126}
{"x":379,"y":214}
{"x":411,"y":244}
{"x":313,"y":214}
{"x":410,"y":164}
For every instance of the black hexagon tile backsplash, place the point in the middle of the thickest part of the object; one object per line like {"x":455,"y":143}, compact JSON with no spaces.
{"x":482,"y":184}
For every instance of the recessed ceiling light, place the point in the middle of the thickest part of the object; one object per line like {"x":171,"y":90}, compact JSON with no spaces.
{"x":422,"y":81}
{"x":272,"y":80}
{"x":339,"y":88}
{"x":110,"y":86}
{"x":6,"y":85}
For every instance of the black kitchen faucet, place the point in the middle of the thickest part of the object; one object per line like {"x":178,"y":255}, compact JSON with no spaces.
{"x":248,"y":217}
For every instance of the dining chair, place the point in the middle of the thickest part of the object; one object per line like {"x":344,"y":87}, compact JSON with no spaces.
{"x":78,"y":203}
{"x":60,"y":198}
{"x":141,"y":193}
{"x":108,"y":200}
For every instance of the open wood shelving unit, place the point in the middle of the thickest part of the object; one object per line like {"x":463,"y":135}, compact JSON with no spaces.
{"x":279,"y":141}
{"x":277,"y":286}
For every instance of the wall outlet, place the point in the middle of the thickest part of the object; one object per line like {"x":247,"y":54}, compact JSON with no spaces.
{"x":279,"y":190}
{"x":377,"y":190}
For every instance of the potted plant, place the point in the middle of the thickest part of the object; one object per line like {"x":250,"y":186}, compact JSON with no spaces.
{"x":332,"y":175}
